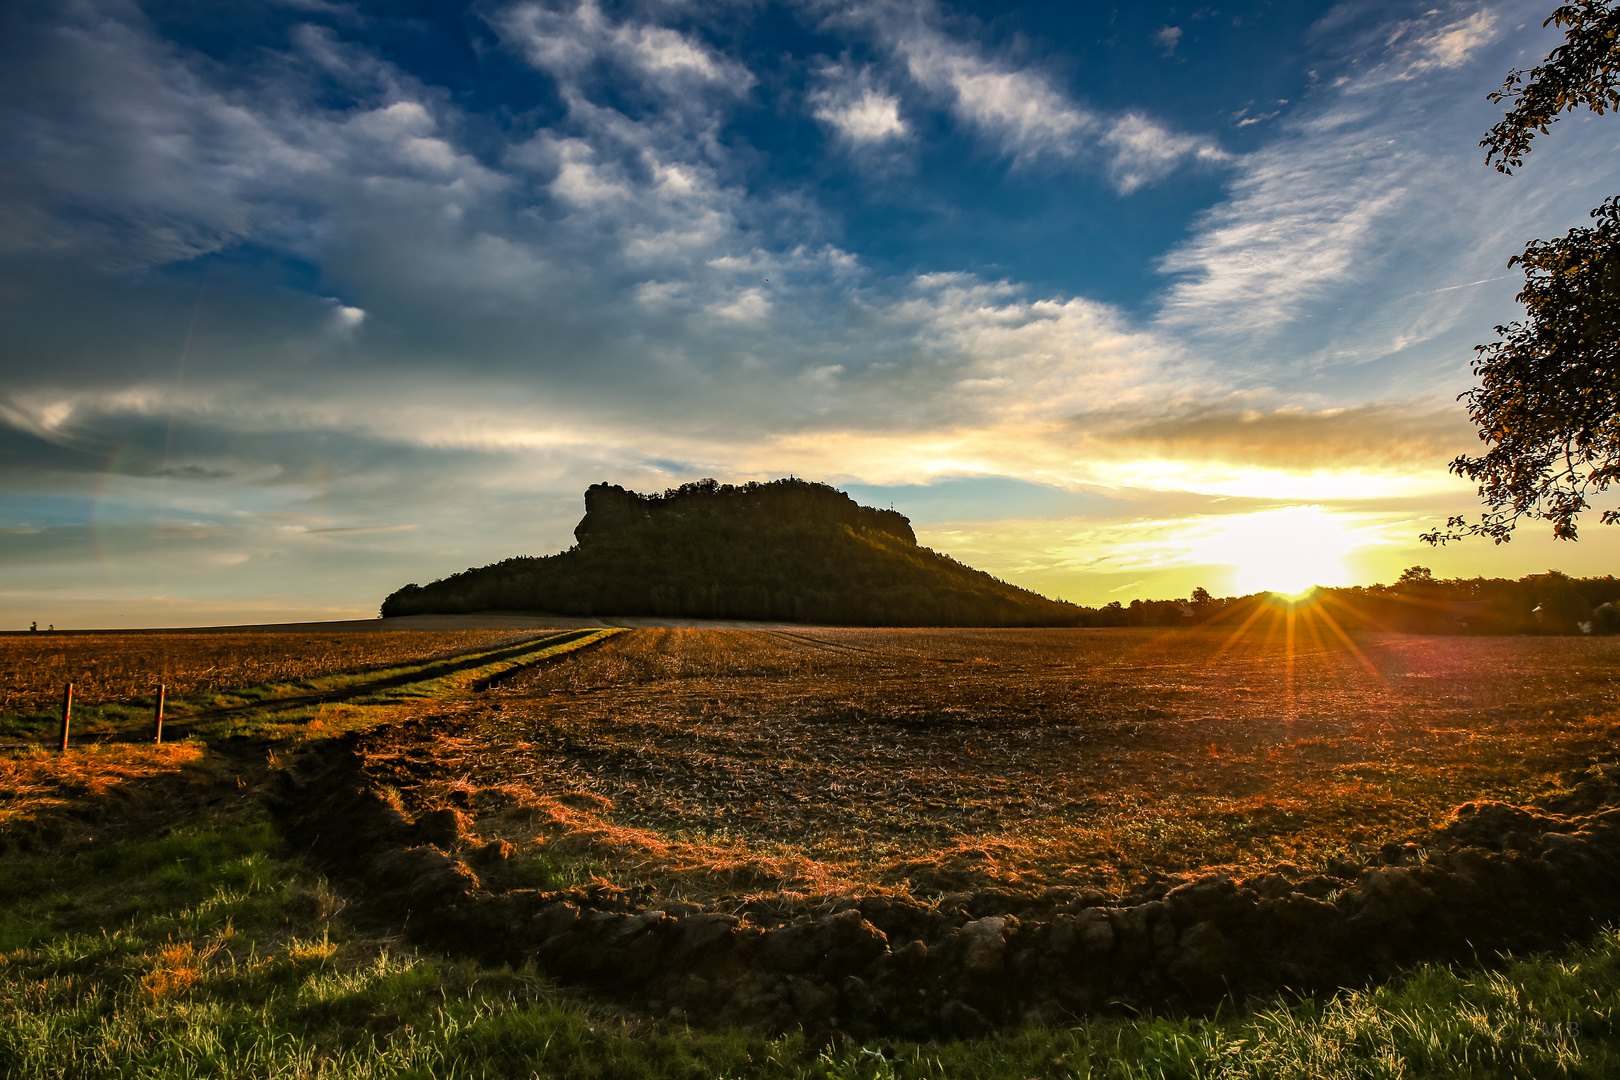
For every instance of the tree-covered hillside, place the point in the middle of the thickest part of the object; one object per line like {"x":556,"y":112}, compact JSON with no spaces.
{"x":787,"y":550}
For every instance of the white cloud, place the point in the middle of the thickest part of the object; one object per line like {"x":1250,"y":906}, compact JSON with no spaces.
{"x":1030,"y":118}
{"x":1020,"y":109}
{"x":751,"y":305}
{"x":983,"y":359}
{"x":875,"y":116}
{"x":565,"y":42}
{"x":581,"y":178}
{"x":847,"y":102}
{"x":1143,"y":152}
{"x":1453,"y":45}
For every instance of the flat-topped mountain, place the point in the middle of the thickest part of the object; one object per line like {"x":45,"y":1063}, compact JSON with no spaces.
{"x":788,"y":550}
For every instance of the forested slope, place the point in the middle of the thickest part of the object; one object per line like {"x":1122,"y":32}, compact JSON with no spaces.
{"x":786,"y":550}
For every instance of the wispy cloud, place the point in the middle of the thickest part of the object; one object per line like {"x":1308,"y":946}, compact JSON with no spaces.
{"x":567,"y":40}
{"x":1453,"y":44}
{"x":1297,"y":226}
{"x":360,"y":530}
{"x":1025,"y":113}
{"x":1020,"y":109}
{"x":1369,"y":191}
{"x":1142,"y":151}
{"x":1392,"y":437}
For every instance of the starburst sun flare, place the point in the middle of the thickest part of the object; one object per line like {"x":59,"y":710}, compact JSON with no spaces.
{"x":1286,"y":551}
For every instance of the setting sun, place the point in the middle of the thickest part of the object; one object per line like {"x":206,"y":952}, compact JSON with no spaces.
{"x":1283,"y":551}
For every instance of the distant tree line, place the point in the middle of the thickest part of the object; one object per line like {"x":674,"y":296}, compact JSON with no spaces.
{"x":1417,"y":603}
{"x":788,"y":550}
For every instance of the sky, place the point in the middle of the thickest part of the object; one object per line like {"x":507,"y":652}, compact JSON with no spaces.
{"x":304,"y":300}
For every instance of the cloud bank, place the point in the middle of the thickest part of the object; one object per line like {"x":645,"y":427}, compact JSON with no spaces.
{"x":317,"y":315}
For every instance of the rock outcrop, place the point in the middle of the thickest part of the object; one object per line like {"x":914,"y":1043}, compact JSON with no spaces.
{"x":788,"y":550}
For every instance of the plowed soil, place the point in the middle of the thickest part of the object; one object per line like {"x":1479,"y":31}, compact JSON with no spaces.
{"x":714,"y":764}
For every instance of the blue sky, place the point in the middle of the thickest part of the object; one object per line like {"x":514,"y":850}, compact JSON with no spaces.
{"x":303,"y":300}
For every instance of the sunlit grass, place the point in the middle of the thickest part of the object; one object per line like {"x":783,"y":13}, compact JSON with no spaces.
{"x":214,"y":954}
{"x":36,"y":779}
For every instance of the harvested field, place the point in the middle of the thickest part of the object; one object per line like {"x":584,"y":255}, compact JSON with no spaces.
{"x":114,"y":666}
{"x":717,"y":766}
{"x":922,"y":833}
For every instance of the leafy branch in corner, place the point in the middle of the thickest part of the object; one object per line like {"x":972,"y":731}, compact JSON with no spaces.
{"x":1585,"y":70}
{"x":1547,"y":394}
{"x":1548,"y":400}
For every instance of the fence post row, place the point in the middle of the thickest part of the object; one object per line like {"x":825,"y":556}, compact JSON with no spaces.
{"x":67,"y":715}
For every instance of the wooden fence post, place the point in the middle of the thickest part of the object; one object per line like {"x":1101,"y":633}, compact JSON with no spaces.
{"x":157,"y":720}
{"x":67,"y":715}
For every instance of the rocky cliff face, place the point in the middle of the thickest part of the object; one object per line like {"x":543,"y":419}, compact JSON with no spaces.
{"x":611,"y":509}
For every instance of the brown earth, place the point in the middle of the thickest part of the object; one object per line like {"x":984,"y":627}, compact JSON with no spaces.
{"x":100,"y":793}
{"x":711,"y":764}
{"x":1494,"y":877}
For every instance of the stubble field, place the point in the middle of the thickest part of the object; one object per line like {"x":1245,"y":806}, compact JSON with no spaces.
{"x":716,"y":765}
{"x":110,"y":666}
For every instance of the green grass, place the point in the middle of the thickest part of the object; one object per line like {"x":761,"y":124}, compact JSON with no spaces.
{"x":539,"y":870}
{"x":338,"y":699}
{"x":216,"y":954}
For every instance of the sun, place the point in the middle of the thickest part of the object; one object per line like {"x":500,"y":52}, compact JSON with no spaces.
{"x":1286,"y":551}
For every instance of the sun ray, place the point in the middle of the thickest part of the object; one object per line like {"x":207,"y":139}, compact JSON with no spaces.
{"x":1288,"y":668}
{"x":1271,"y":630}
{"x":1333,"y":624}
{"x":1320,"y":655}
{"x":1308,"y":625}
{"x":1346,"y":672}
{"x":1259,"y":610}
{"x":1373,"y":620}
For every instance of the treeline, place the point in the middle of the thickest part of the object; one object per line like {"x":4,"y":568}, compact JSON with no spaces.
{"x":789,"y":550}
{"x":1417,"y":603}
{"x":1550,"y":603}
